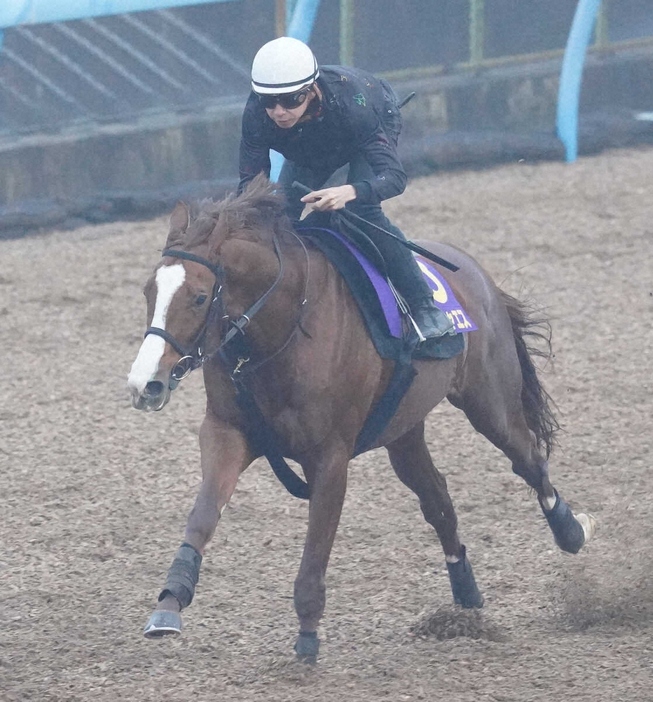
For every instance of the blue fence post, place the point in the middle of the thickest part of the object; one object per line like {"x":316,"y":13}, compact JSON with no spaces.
{"x":572,"y":74}
{"x":299,"y":27}
{"x":303,"y":19}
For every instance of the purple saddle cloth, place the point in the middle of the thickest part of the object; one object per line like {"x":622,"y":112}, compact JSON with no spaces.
{"x":377,"y":302}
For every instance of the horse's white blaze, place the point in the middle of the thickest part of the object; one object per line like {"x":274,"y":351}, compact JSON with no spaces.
{"x":168,"y":280}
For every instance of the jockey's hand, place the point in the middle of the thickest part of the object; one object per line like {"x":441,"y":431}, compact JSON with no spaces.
{"x":328,"y":199}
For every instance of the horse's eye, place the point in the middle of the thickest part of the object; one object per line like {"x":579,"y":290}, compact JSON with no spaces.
{"x":200,"y":300}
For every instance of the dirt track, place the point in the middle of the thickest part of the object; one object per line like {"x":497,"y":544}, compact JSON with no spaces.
{"x":94,"y":496}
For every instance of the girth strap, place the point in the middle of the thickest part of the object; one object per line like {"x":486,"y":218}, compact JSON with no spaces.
{"x":384,"y":410}
{"x":260,"y":435}
{"x":264,"y":440}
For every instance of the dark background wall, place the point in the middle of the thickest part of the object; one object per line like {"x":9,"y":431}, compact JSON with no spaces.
{"x":119,"y":116}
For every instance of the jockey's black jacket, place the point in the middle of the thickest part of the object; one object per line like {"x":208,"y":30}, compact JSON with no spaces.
{"x":357,"y":116}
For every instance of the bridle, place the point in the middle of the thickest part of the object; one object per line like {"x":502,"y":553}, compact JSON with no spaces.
{"x":195,"y":354}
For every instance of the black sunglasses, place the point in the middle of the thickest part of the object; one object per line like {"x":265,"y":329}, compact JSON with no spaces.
{"x":288,"y":100}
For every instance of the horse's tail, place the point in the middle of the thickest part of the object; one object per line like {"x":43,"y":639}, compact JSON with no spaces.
{"x":538,"y":405}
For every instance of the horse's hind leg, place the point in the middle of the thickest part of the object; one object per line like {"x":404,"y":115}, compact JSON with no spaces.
{"x":494,"y":404}
{"x":412,"y":463}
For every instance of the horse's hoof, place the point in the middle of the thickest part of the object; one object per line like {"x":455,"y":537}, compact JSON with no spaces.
{"x":307,"y":646}
{"x":568,"y":531}
{"x":463,"y":584}
{"x":588,"y":522}
{"x":162,"y":623}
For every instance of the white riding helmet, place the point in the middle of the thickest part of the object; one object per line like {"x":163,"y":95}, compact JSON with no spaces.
{"x":283,"y":65}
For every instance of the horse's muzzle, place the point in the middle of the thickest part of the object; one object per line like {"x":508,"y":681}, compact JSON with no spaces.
{"x":154,"y":397}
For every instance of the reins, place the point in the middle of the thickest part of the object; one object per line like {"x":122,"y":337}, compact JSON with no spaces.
{"x":353,"y":217}
{"x":236,"y":326}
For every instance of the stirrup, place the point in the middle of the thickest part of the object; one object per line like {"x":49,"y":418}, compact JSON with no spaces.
{"x":418,"y":331}
{"x":434,"y":322}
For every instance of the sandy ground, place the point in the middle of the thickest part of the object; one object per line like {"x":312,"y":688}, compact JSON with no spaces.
{"x":94,"y":496}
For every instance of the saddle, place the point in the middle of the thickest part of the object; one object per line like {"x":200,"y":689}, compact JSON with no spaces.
{"x":385,"y":317}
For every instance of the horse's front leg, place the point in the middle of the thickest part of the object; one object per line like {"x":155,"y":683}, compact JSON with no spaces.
{"x":224,"y":456}
{"x":327,"y":479}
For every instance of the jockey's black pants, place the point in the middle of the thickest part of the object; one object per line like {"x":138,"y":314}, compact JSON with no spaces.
{"x":401,"y":266}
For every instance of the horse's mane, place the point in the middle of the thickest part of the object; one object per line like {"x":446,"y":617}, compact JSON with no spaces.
{"x":259,"y":208}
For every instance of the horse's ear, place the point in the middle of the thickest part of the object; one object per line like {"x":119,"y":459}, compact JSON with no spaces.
{"x":179,"y":220}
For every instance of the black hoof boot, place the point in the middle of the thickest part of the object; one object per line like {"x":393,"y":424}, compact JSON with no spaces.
{"x":463,"y":585}
{"x":307,"y":646}
{"x":567,"y":530}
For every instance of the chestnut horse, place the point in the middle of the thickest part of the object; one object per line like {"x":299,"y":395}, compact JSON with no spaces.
{"x":237,"y":271}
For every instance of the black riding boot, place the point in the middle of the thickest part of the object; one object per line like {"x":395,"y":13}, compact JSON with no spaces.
{"x":432,"y":321}
{"x":406,"y":276}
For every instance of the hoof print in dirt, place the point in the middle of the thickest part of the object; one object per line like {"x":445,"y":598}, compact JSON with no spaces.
{"x":452,"y":622}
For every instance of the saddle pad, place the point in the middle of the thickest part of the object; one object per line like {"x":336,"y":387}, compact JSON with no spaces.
{"x":377,"y":302}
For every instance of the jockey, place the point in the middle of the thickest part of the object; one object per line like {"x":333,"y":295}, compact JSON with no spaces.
{"x":321,"y":118}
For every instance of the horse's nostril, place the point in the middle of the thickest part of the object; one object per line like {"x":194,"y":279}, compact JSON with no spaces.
{"x":154,"y":388}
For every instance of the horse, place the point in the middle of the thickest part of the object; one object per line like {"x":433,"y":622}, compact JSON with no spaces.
{"x":237,"y":271}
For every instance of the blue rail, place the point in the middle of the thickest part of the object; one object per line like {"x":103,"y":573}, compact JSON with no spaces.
{"x":572,"y":74}
{"x":15,"y":12}
{"x":302,"y":19}
{"x":300,"y":27}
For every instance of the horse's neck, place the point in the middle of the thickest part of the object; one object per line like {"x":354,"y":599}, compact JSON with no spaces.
{"x":252,"y":269}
